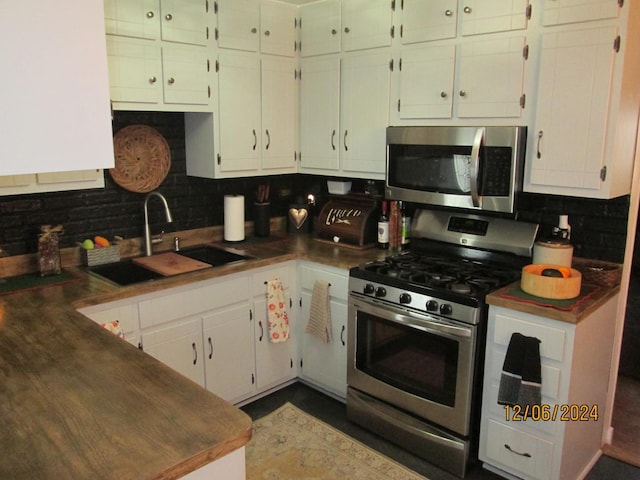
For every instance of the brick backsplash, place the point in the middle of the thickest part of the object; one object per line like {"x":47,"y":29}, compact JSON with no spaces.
{"x":598,"y":226}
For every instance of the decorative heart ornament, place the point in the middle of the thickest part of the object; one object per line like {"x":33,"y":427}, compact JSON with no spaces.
{"x":298,"y":216}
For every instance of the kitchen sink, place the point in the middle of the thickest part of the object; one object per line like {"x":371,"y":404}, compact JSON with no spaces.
{"x":124,"y":273}
{"x":214,"y":256}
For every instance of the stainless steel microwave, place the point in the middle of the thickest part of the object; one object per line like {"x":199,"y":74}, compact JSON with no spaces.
{"x":476,"y":168}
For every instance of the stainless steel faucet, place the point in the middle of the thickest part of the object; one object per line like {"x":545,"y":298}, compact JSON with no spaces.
{"x":147,"y":232}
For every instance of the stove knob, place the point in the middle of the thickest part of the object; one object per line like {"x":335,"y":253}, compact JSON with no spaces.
{"x":405,"y":298}
{"x":446,"y":309}
{"x":432,"y":306}
{"x":381,"y":292}
{"x":369,"y":289}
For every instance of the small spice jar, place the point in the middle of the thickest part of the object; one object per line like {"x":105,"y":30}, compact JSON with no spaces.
{"x":49,"y":250}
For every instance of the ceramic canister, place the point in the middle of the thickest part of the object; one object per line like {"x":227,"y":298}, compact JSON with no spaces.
{"x":552,"y":252}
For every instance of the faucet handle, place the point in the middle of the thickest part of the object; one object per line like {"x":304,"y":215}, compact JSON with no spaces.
{"x":157,"y":238}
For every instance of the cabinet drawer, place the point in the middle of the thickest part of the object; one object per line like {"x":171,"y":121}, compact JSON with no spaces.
{"x":338,"y":279}
{"x":260,"y":279}
{"x":518,"y":452}
{"x":552,"y":340}
{"x":185,"y":303}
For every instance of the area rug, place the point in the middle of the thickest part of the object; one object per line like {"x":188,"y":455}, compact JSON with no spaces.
{"x":289,"y":444}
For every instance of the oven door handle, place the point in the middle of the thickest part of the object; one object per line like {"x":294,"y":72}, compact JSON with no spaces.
{"x":475,"y":166}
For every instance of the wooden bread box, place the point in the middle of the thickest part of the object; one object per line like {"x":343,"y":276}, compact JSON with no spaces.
{"x":350,"y":220}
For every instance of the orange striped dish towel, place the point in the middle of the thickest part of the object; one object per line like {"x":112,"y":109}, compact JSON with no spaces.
{"x":278,"y":319}
{"x":319,"y":324}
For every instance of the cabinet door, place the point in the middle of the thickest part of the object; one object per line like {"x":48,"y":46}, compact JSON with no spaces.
{"x":186,"y":75}
{"x":274,"y":361}
{"x":238,"y":23}
{"x":426,"y":82}
{"x":239,"y":105}
{"x":366,"y":24}
{"x":320,"y":28}
{"x":364,"y":112}
{"x":325,"y":364}
{"x":487,"y":16}
{"x":185,"y":21}
{"x":319,"y":113}
{"x":125,"y":314}
{"x":491,"y":78}
{"x":569,"y":136}
{"x":425,"y":20}
{"x":229,"y":352}
{"x":557,"y":12}
{"x":135,"y":71}
{"x":132,"y":18}
{"x":277,"y":28}
{"x":178,"y":346}
{"x":279,"y":115}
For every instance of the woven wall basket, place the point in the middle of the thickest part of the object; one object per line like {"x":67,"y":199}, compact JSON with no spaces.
{"x":142,"y":158}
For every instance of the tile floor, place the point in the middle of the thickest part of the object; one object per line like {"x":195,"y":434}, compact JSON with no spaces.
{"x":334,"y":413}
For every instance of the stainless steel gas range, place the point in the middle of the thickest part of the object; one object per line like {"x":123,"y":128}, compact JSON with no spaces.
{"x":417,"y":328}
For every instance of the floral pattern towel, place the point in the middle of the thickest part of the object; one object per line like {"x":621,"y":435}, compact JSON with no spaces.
{"x":277,"y":312}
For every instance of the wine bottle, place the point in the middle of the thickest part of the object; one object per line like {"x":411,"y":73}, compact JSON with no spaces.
{"x":383,"y":226}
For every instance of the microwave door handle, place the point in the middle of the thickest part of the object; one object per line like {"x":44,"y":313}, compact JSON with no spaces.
{"x":475,"y":166}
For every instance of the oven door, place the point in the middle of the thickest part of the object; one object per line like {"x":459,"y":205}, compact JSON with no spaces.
{"x":416,"y":362}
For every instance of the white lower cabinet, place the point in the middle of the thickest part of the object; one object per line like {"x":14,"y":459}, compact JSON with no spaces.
{"x":324,"y":365}
{"x":124,"y":311}
{"x":562,"y":439}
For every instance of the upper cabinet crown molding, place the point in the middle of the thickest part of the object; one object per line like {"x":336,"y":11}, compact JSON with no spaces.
{"x":55,"y":88}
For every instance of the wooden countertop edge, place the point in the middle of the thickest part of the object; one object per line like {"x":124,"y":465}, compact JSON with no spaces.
{"x":572,"y":316}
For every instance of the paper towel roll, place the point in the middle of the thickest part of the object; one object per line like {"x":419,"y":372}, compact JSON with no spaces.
{"x":234,"y":218}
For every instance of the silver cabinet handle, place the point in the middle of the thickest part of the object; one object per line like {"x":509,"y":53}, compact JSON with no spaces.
{"x":475,"y":166}
{"x":346,"y":148}
{"x":210,"y":348}
{"x":254,"y":30}
{"x":150,"y":14}
{"x":171,"y":81}
{"x":443,"y":94}
{"x":255,"y":139}
{"x":522,"y":454}
{"x":342,"y":335}
{"x":168,"y":17}
{"x":347,"y":29}
{"x":448,"y":13}
{"x":539,"y":152}
{"x":195,"y":353}
{"x":466,"y":9}
{"x":333,"y":135}
{"x":153,"y":80}
{"x":463,"y":93}
{"x":261,"y":331}
{"x":267,"y":33}
{"x":333,"y":31}
{"x":268,"y":139}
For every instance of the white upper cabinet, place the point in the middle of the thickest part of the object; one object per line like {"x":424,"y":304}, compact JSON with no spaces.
{"x":424,"y":21}
{"x":558,"y":12}
{"x":487,"y":16}
{"x":278,"y":28}
{"x":132,"y":19}
{"x":238,"y":24}
{"x":184,"y":21}
{"x":55,"y":91}
{"x":320,"y":28}
{"x":366,"y":24}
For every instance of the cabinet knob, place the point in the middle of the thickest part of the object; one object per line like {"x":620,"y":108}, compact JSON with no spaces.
{"x":347,"y":29}
{"x":254,"y":30}
{"x":448,"y":13}
{"x":150,"y":14}
{"x":168,"y":17}
{"x":171,"y":81}
{"x":153,"y":80}
{"x":463,"y":93}
{"x":466,"y":9}
{"x":267,"y":33}
{"x":333,"y":31}
{"x":443,"y":94}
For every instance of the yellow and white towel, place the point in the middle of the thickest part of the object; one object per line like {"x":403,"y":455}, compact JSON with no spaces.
{"x":278,"y":319}
{"x":319,"y":323}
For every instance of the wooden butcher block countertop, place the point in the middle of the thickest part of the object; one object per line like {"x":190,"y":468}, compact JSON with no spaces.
{"x":76,"y":402}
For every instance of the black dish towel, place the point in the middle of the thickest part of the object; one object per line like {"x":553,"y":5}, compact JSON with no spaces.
{"x":521,"y":378}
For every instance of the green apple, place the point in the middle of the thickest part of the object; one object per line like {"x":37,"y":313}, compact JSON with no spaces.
{"x":87,"y":244}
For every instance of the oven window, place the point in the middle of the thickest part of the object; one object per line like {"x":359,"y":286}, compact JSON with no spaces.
{"x":412,"y":360}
